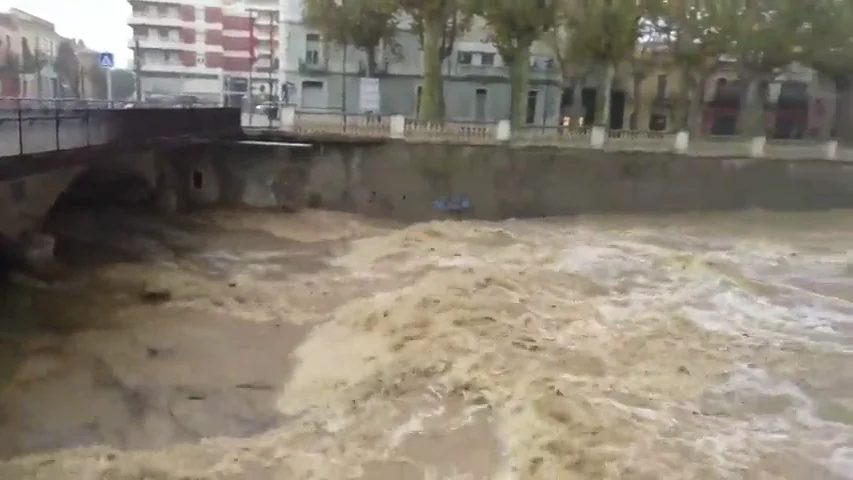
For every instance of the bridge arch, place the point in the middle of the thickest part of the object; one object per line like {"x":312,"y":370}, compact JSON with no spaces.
{"x":132,"y":180}
{"x":169,"y":180}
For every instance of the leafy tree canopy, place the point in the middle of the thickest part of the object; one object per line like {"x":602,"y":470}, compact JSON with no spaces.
{"x":828,"y":44}
{"x":67,"y":66}
{"x":11,"y":64}
{"x":98,"y":77}
{"x":691,"y":30}
{"x":516,"y":25}
{"x":765,"y":35}
{"x":66,"y":62}
{"x":602,"y":31}
{"x":361,"y":23}
{"x":448,"y":18}
{"x":123,"y":84}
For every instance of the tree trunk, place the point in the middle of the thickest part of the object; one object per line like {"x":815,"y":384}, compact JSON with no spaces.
{"x":578,"y":112}
{"x":751,"y":114}
{"x":637,"y":100}
{"x":831,"y":114}
{"x":681,"y":107}
{"x":371,"y":61}
{"x":431,"y":107}
{"x":746,"y":104}
{"x":602,"y":96}
{"x":440,"y":107}
{"x":519,"y":69}
{"x":696,"y":107}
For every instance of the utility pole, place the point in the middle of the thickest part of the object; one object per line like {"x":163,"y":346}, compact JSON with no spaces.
{"x":272,"y":108}
{"x":37,"y":58}
{"x":137,"y":71}
{"x":81,"y":82}
{"x":250,"y":87}
{"x":109,"y":74}
{"x":344,"y":87}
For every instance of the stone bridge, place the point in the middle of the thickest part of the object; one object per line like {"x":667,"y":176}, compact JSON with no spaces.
{"x":44,"y":151}
{"x":34,"y":131}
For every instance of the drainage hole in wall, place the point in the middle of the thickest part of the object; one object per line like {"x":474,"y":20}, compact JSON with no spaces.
{"x":198,"y":180}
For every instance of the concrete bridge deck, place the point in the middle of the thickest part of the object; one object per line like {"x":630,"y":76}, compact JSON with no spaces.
{"x":45,"y":147}
{"x":27,"y":129}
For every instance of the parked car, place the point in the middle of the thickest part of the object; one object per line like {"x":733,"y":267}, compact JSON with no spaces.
{"x":186,"y":101}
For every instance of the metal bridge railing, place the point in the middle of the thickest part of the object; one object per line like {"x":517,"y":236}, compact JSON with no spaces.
{"x":31,"y":103}
{"x":39,"y":125}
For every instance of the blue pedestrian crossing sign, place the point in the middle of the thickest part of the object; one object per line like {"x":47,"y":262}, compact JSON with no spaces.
{"x":106,"y":60}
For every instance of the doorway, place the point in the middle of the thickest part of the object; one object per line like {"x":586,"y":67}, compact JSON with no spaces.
{"x":532,"y":101}
{"x":312,"y":94}
{"x":480,"y":99}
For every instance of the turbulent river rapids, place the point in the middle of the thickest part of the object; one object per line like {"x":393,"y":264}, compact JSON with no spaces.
{"x":321,"y":345}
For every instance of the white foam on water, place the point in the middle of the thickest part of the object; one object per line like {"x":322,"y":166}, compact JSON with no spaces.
{"x":600,"y":350}
{"x":414,"y":424}
{"x":755,"y":412}
{"x":460,"y":261}
{"x":840,"y":463}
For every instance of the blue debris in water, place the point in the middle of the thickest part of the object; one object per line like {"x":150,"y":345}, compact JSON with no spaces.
{"x":456,"y":203}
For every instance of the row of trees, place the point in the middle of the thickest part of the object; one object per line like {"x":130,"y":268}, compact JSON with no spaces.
{"x":692,"y":37}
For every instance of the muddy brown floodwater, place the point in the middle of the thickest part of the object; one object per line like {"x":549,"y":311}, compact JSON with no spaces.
{"x":320,"y":345}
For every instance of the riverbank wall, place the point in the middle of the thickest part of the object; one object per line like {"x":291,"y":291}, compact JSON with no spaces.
{"x":422,"y":181}
{"x":411,"y":181}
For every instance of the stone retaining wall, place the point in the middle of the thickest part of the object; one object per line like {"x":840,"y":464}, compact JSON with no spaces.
{"x":412,"y":182}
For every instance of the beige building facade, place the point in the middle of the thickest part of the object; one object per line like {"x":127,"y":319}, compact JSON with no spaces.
{"x":28,"y":48}
{"x":800,"y":102}
{"x":35,"y":46}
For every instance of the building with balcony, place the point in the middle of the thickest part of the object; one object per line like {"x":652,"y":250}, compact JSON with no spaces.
{"x":316,"y":75}
{"x":324,"y":77}
{"x":38,"y":43}
{"x":206,"y":48}
{"x":28,"y":50}
{"x":28,"y":44}
{"x":799,"y":102}
{"x":10,"y":80}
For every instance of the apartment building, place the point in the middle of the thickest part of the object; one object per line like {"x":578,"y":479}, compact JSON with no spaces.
{"x":799,"y":103}
{"x":207,"y":48}
{"x":217,"y":48}
{"x":30,"y":42}
{"x":38,"y":38}
{"x":9,"y":39}
{"x":320,"y":76}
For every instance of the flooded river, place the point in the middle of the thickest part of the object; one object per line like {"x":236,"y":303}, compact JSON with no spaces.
{"x":323,"y":345}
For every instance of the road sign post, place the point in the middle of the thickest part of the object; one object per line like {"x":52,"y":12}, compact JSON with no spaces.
{"x":107,"y":62}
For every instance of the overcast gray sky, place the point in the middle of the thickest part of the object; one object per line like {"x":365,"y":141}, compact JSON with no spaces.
{"x":102,"y":24}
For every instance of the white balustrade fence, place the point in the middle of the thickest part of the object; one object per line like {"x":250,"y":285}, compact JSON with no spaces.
{"x":401,"y":128}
